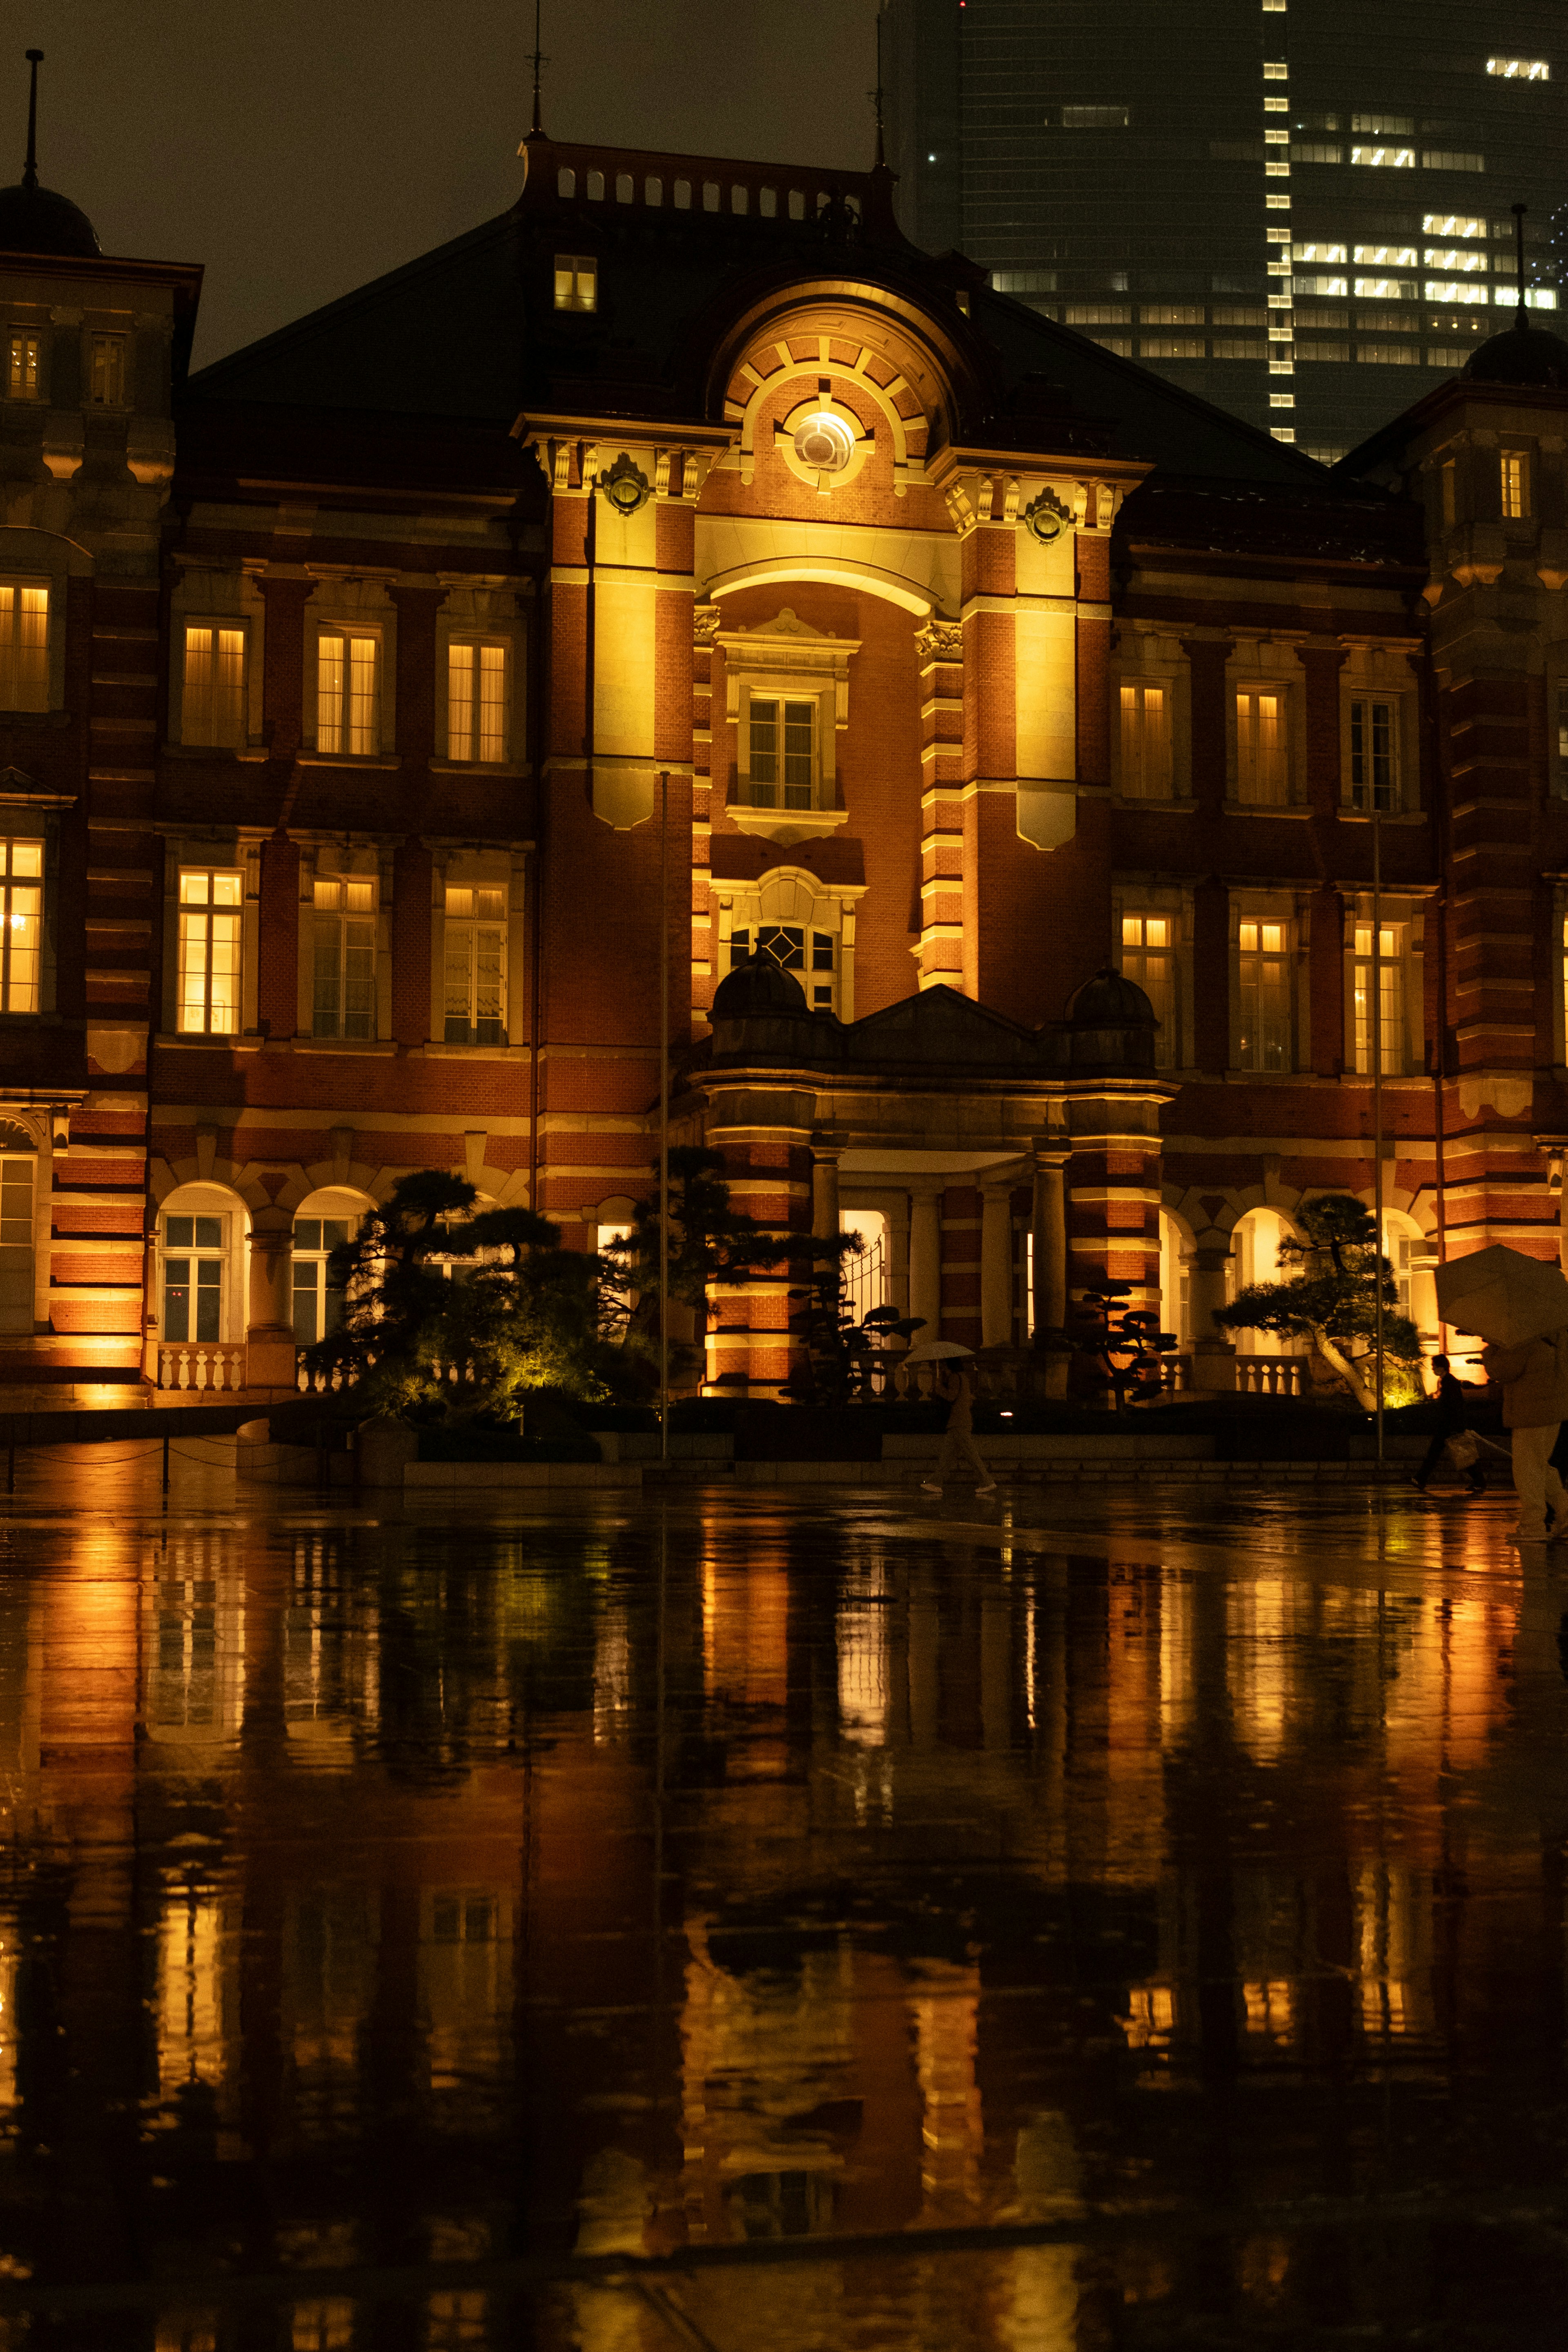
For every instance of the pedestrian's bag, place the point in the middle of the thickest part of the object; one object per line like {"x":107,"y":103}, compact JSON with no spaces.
{"x":1463,"y":1448}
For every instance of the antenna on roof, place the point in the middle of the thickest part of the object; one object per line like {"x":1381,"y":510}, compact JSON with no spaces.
{"x":1518,"y":212}
{"x":536,"y":128}
{"x":30,"y":169}
{"x":876,"y":96}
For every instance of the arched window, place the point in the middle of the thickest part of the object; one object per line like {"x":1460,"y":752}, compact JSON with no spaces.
{"x":1255,"y":1258}
{"x":320,"y":1223}
{"x":201,"y":1248}
{"x":18,"y":1168}
{"x":1175,"y":1314}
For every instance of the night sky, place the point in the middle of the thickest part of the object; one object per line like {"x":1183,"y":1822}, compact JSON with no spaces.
{"x":300,"y":147}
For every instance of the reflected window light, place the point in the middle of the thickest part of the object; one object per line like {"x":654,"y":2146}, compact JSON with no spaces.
{"x":1151,"y":2017}
{"x":1271,"y":2010}
{"x":190,"y":2004}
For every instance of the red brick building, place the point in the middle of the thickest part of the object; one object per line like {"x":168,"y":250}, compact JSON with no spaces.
{"x":684,"y":564}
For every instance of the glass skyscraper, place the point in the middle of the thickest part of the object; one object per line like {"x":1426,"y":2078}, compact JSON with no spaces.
{"x":1302,"y":209}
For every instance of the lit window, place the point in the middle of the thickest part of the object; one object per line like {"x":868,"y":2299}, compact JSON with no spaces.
{"x":24,"y":647}
{"x":1323,"y":286}
{"x":1390,"y":999}
{"x":1095,"y":117}
{"x":1452,"y":256}
{"x":1390,"y":354}
{"x":1172,"y":347}
{"x":1263,"y":997}
{"x":22,"y":367}
{"x":1513,"y":465}
{"x":211,"y":912}
{"x":106,"y":376}
{"x":1280,"y":399}
{"x":1448,"y":357}
{"x":576,"y":282}
{"x":1452,"y":224}
{"x":474,"y":967}
{"x":810,"y":955}
{"x":317,"y":1309}
{"x":1385,"y":256}
{"x":1277,"y":106}
{"x":1385,"y":289}
{"x":1282,"y":432}
{"x":1262,"y":765}
{"x":1274,"y":70}
{"x":213,"y":708}
{"x":1454,"y":289}
{"x":781,"y":753}
{"x":1320,"y":253}
{"x":193,"y":1279}
{"x":1443,"y":158}
{"x":1098,"y":314}
{"x":1147,"y":959}
{"x":21,"y":924}
{"x":1520,"y":69}
{"x":1375,"y":753}
{"x":1387,"y":126}
{"x":346,"y":665}
{"x":475,"y":701}
{"x":1146,"y":742}
{"x":1541,"y":298}
{"x":1385,"y":159}
{"x":344,"y":957}
{"x":1562,"y":730}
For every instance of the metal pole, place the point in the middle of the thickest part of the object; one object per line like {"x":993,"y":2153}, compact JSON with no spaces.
{"x":664,"y":1116}
{"x":1377,"y":1105}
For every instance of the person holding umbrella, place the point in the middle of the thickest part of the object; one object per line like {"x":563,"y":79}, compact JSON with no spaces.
{"x":959,"y":1451}
{"x":1518,"y":1305}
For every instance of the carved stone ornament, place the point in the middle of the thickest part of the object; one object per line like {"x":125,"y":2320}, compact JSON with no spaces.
{"x":625,"y":486}
{"x":940,"y":641}
{"x":705,"y":620}
{"x":1046,"y":516}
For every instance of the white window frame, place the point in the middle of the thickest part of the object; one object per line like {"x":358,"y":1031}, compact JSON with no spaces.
{"x":200,"y":1253}
{"x":818,"y":953}
{"x":1145,"y":755}
{"x":195,"y":920}
{"x":18,"y":692}
{"x":1263,"y":911}
{"x":1404,"y":1022}
{"x":1142,"y":958}
{"x":25,"y":379}
{"x":479,"y":642}
{"x":327,"y":917}
{"x":1364,"y":793}
{"x":460,"y":941}
{"x":782,"y":699}
{"x":19,"y":1250}
{"x":29,"y":874}
{"x":1244,"y":746}
{"x":340,"y":734}
{"x":317,"y":1259}
{"x":1514,"y":469}
{"x":204,"y":722}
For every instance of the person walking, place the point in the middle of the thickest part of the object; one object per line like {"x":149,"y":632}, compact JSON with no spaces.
{"x":1534,"y":1380}
{"x":959,"y":1451}
{"x":1453,"y":1398}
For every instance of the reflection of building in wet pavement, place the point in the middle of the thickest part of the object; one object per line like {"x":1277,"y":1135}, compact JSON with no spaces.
{"x":348,"y":1848}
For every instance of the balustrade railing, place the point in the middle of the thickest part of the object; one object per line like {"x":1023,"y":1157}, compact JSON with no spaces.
{"x":1284,"y":1376}
{"x":208,"y":1370}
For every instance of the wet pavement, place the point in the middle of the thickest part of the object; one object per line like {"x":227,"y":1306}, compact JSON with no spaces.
{"x":777,"y":1921}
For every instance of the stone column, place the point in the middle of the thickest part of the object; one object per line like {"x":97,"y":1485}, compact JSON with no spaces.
{"x":824,"y":1151}
{"x":997,"y":1266}
{"x":1050,"y":1235}
{"x":925,"y":1261}
{"x":269,"y":1330}
{"x":1214,"y":1356}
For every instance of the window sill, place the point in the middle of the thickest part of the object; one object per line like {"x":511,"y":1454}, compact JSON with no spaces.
{"x":438,"y":1050}
{"x":1296,"y":812}
{"x":787,"y":826}
{"x":375,"y":762}
{"x":256,"y":754}
{"x":384,"y":1047}
{"x":502,"y":769}
{"x":1389,"y":816}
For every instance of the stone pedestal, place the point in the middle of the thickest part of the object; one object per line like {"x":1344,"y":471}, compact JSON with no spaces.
{"x":997,"y":1266}
{"x":269,"y":1328}
{"x":925,"y":1263}
{"x":1050,"y":1239}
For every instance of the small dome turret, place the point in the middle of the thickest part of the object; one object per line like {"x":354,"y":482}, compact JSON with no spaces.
{"x":35,"y":219}
{"x":1523,"y":355}
{"x":757,"y":990}
{"x":1110,"y":1000}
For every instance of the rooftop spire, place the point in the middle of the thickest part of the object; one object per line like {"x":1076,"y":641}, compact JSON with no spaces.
{"x":876,"y":97}
{"x":536,"y":127}
{"x":30,"y":169}
{"x":1519,"y":213}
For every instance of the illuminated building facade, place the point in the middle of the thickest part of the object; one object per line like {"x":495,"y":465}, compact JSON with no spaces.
{"x":1276,"y":205}
{"x":986,"y":734}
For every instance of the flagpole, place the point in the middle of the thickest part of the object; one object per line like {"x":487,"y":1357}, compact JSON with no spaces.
{"x":664,"y":1116}
{"x":1377,"y":1103}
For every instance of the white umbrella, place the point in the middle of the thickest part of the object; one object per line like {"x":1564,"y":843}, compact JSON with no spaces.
{"x":935,"y":1350}
{"x":1504,"y":1295}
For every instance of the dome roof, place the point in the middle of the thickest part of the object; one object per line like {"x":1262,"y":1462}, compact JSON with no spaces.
{"x":756,"y":989}
{"x":1523,"y":355}
{"x":1110,"y":1001}
{"x":37,"y":220}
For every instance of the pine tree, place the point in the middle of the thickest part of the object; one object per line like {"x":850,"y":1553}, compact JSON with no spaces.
{"x":1331,"y":1299}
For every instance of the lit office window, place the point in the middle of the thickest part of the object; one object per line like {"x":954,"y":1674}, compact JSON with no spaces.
{"x":1147,"y":959}
{"x":1311,"y":252}
{"x":24,"y":647}
{"x":474,"y":972}
{"x":475,"y":701}
{"x":1384,"y":256}
{"x":1513,"y":467}
{"x":213,"y":708}
{"x":1520,"y":69}
{"x":1262,"y":752}
{"x":576,"y":282}
{"x":782,"y":753}
{"x":1446,"y":159}
{"x":211,"y":916}
{"x":1452,"y":256}
{"x":21,"y":924}
{"x":1384,"y":159}
{"x":1454,"y":289}
{"x":1263,"y":1028}
{"x":1452,"y":224}
{"x":317,"y":1309}
{"x":1391,"y":999}
{"x":344,"y":957}
{"x":22,"y":367}
{"x":193,"y":1278}
{"x":1146,"y":742}
{"x":346,"y":680}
